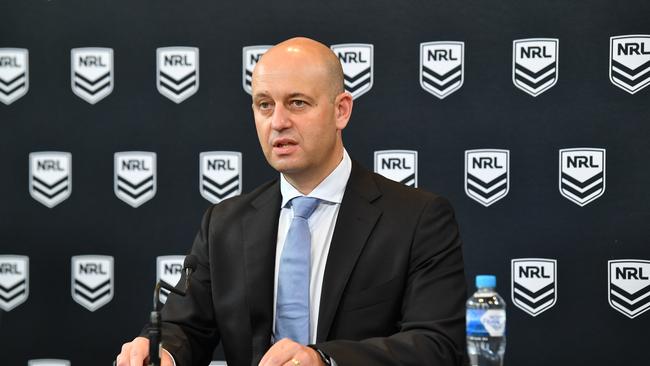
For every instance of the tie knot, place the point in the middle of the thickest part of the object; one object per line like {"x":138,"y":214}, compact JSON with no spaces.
{"x":304,"y":206}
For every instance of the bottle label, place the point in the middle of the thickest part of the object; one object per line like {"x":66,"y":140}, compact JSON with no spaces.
{"x":484,"y":323}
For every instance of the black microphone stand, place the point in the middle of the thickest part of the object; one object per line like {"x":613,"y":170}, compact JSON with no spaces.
{"x":155,"y":330}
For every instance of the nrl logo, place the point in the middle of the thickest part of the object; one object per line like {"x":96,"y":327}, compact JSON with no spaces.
{"x":398,"y":165}
{"x":169,"y":269}
{"x":92,"y":73}
{"x":92,"y":280}
{"x":177,"y":73}
{"x":535,"y":64}
{"x":14,"y":74}
{"x":442,"y":67}
{"x":534,"y":284}
{"x":48,"y":362}
{"x":357,"y":61}
{"x":14,"y":281}
{"x":220,"y":175}
{"x":50,"y":177}
{"x":135,"y":177}
{"x":582,"y":174}
{"x":629,"y":286}
{"x":250,"y":56}
{"x":487,"y":175}
{"x":629,"y":62}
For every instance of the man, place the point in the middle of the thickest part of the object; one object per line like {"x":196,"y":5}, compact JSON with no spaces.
{"x":384,"y":282}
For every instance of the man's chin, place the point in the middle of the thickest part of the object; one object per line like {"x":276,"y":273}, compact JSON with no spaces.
{"x":286,"y":166}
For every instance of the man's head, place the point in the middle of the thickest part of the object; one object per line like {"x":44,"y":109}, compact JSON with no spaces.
{"x":300,"y":109}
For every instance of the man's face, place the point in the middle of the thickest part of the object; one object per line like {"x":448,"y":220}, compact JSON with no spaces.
{"x":295,"y":116}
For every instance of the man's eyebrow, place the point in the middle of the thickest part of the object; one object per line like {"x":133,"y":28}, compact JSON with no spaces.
{"x":260,"y":95}
{"x":300,"y":95}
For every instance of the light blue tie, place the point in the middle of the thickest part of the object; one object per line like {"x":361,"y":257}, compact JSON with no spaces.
{"x":292,"y":308}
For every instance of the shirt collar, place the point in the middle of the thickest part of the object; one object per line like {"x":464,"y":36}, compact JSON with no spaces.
{"x":331,"y":189}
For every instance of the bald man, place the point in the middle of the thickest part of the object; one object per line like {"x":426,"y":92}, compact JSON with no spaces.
{"x":384,"y":280}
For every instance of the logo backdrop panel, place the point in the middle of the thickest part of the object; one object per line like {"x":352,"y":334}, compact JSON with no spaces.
{"x":582,"y":174}
{"x":91,"y":73}
{"x":629,"y":62}
{"x":487,"y":175}
{"x":398,"y":165}
{"x":135,"y":176}
{"x":92,"y":280}
{"x":220,"y":175}
{"x":14,"y":281}
{"x":14,"y":74}
{"x":250,"y":56}
{"x":629,"y":286}
{"x":442,"y":66}
{"x":50,"y":177}
{"x":357,"y":60}
{"x":535,"y":64}
{"x":48,"y":362}
{"x":177,"y":73}
{"x":168,"y":269}
{"x":534,"y":284}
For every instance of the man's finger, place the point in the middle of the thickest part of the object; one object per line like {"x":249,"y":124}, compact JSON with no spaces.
{"x":123,"y":358}
{"x":136,"y":356}
{"x":278,"y":354}
{"x":286,"y":352}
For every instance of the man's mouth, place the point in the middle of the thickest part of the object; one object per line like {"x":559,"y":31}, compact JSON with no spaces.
{"x":284,"y":143}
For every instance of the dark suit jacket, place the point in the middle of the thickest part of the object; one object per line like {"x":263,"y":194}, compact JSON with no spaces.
{"x":393,"y":289}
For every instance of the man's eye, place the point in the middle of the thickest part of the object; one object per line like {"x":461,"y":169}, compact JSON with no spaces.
{"x":298,"y":103}
{"x":264,"y":105}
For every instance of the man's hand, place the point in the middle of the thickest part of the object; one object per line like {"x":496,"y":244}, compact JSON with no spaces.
{"x":136,"y":353}
{"x":289,"y":353}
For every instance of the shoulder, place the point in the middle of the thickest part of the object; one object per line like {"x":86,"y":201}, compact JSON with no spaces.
{"x":397,"y":194}
{"x":238,"y":205}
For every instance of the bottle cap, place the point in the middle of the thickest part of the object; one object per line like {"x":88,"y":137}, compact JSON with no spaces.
{"x":486,"y":281}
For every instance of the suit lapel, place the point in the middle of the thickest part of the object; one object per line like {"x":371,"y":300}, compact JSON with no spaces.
{"x":260,"y":228}
{"x":356,"y":220}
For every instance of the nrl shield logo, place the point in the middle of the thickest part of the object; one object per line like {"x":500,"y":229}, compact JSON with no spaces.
{"x":14,"y":281}
{"x":534,"y":284}
{"x":442,"y":67}
{"x":582,"y":174}
{"x":629,"y":286}
{"x":357,"y":61}
{"x":220,"y":175}
{"x":169,"y":269}
{"x":92,"y":280}
{"x":398,"y":165}
{"x":92,"y":73}
{"x":177,"y":73}
{"x":50,"y":177}
{"x":535,"y":64}
{"x":135,"y":176}
{"x":250,"y":56}
{"x":14,"y":74}
{"x":629,"y":62}
{"x":48,"y":362}
{"x":487,"y":177}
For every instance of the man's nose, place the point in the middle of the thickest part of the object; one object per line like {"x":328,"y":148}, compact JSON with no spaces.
{"x":281,"y":118}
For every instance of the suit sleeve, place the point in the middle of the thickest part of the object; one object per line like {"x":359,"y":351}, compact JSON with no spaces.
{"x":431,"y":330}
{"x":189,"y":326}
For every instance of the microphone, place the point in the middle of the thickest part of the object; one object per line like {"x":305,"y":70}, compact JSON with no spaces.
{"x":189,"y":266}
{"x":155,"y":329}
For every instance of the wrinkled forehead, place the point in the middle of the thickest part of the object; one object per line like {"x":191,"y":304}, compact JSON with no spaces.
{"x":289,"y":77}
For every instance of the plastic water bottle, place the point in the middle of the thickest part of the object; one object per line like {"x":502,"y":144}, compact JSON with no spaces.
{"x":486,"y":324}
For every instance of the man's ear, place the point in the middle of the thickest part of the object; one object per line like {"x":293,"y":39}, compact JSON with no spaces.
{"x":343,"y":109}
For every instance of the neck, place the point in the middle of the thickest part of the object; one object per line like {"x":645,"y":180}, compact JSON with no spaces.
{"x":307,"y":181}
